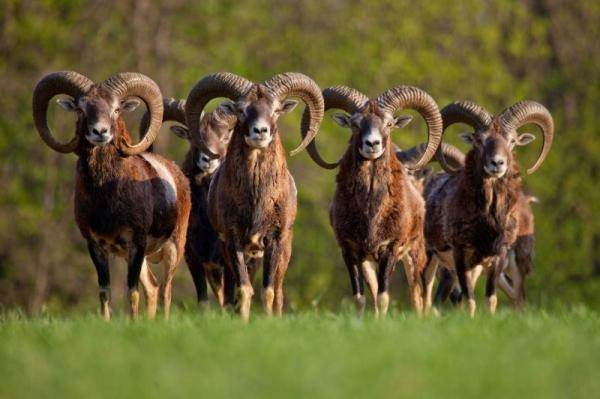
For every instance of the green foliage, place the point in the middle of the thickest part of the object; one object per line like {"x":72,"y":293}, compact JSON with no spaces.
{"x":494,"y":53}
{"x":316,"y":355}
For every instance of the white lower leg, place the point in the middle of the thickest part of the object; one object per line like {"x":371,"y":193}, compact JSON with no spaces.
{"x":371,"y":279}
{"x":104,"y":294}
{"x":472,"y":307}
{"x":359,"y":303}
{"x":134,"y":302}
{"x":383,"y":302}
{"x":150,"y":286}
{"x":245,"y":293}
{"x":492,"y":303}
{"x":268,"y":295}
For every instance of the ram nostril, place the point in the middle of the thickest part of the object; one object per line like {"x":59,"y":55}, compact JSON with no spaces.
{"x":256,"y":130}
{"x":100,"y":131}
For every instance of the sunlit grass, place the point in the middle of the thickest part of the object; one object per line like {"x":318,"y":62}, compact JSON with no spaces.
{"x":534,"y":354}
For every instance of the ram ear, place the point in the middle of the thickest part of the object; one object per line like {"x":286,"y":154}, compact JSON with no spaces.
{"x":424,"y":173}
{"x":130,"y":104}
{"x":402,"y":121}
{"x":225,"y":108}
{"x":68,"y":104}
{"x":342,"y":119}
{"x":237,"y":108}
{"x":181,"y":132}
{"x":287,"y":106}
{"x":468,"y":138}
{"x":524,"y":139}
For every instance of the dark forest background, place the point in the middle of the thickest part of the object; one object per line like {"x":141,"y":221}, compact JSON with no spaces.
{"x":494,"y":53}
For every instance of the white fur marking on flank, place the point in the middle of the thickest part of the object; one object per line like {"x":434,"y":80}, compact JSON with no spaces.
{"x":165,"y":176}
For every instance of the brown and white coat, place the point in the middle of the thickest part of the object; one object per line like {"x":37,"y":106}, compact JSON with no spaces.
{"x":128,"y":203}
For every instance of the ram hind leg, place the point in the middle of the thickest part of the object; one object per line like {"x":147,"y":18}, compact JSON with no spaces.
{"x":465,"y":279}
{"x":493,"y":277}
{"x":509,"y":286}
{"x":199,"y":277}
{"x":445,"y":286}
{"x":100,"y":260}
{"x":280,"y":271}
{"x":234,"y":258}
{"x":414,"y":263}
{"x":429,"y":280}
{"x":216,"y":281}
{"x":170,"y":260}
{"x":150,"y":286}
{"x":370,"y":276}
{"x":271,"y":263}
{"x":228,"y":288}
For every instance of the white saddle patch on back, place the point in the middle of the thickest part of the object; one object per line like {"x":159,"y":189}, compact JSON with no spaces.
{"x":165,"y":177}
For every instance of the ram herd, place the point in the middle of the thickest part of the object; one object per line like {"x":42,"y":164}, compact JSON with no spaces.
{"x":231,"y":206}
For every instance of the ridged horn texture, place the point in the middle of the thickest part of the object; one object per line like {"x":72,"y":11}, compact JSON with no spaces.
{"x":525,"y":112}
{"x":64,"y":82}
{"x":293,"y":84}
{"x":454,"y":156}
{"x":130,"y":84}
{"x":401,"y":97}
{"x":222,"y":84}
{"x":466,"y":112}
{"x":336,"y":97}
{"x":173,"y":110}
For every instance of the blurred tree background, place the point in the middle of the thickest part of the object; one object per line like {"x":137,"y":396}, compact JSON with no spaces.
{"x":494,"y":53}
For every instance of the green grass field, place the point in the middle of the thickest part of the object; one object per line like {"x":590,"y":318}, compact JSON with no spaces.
{"x":533,"y":354}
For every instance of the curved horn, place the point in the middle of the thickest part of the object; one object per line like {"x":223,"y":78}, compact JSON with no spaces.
{"x":525,"y":112}
{"x":452,"y":154}
{"x":65,"y":82}
{"x":223,"y":84}
{"x":129,"y":84}
{"x":466,"y":112}
{"x":338,"y":97}
{"x":412,"y":97}
{"x":174,"y":110}
{"x":298,"y":85}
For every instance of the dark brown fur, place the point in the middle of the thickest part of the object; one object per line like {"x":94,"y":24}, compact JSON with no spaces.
{"x":252,"y":206}
{"x":377,"y":213}
{"x":202,"y":249}
{"x":520,"y":260}
{"x":523,"y":250}
{"x":474,"y":215}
